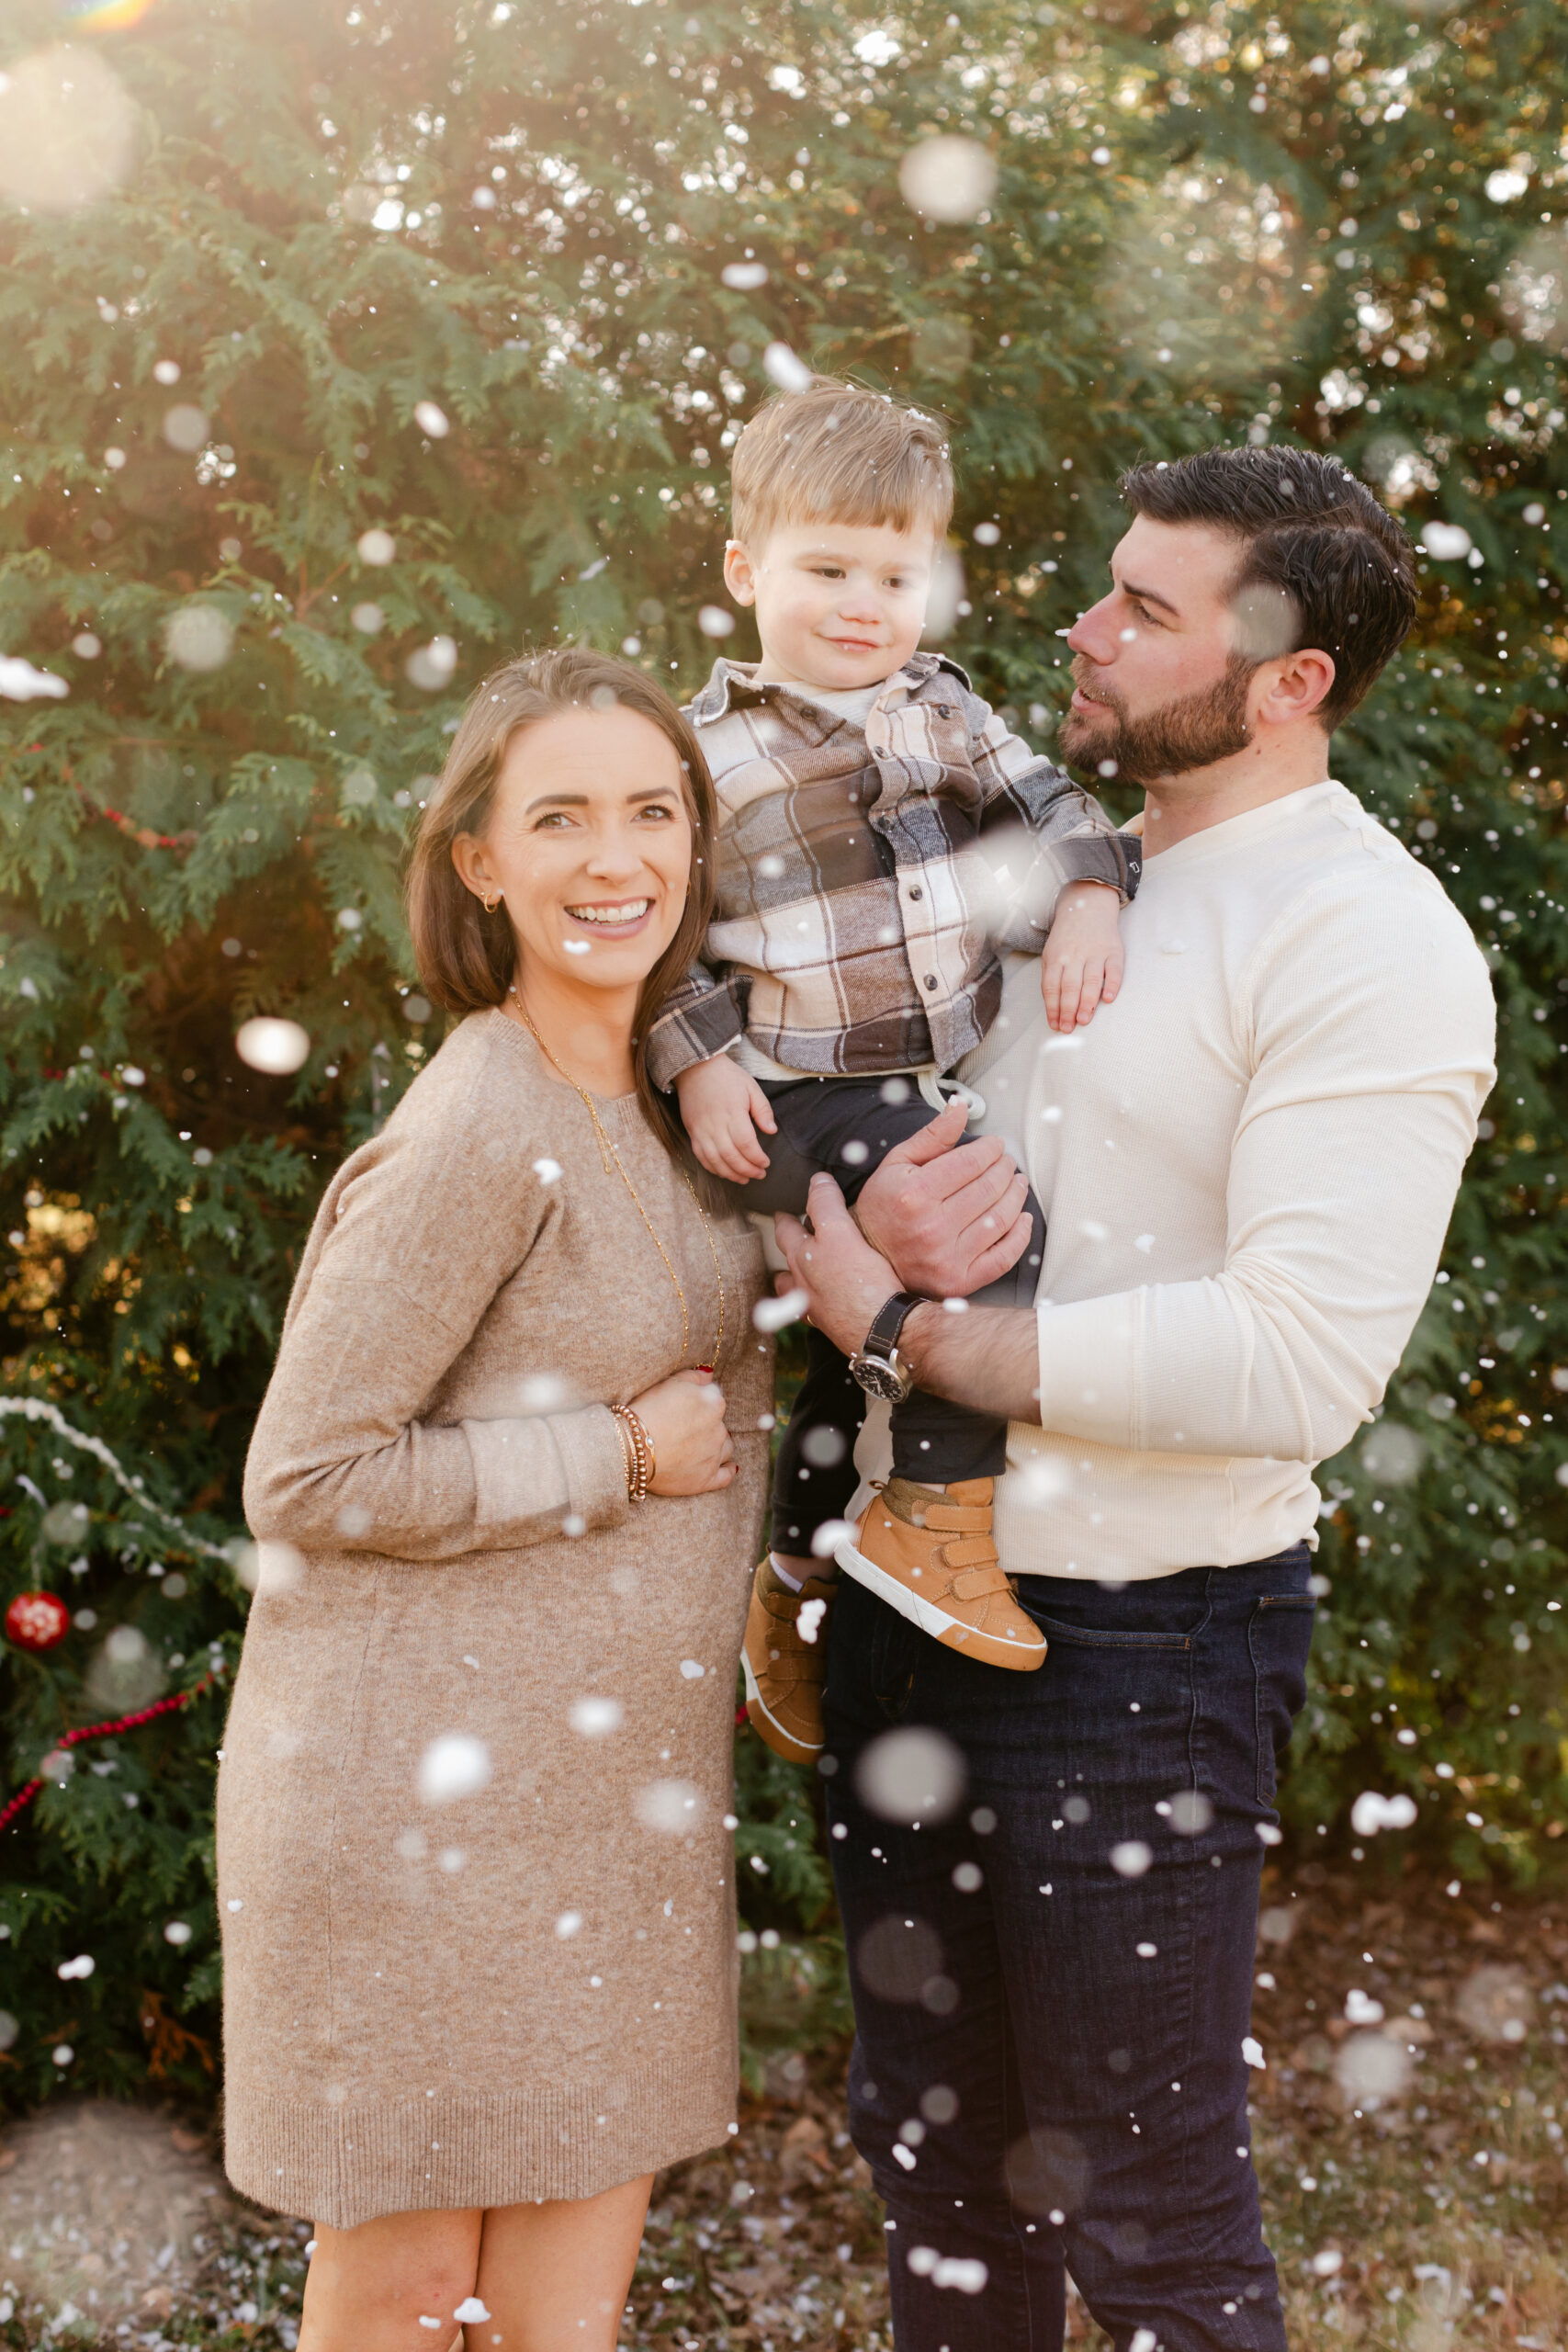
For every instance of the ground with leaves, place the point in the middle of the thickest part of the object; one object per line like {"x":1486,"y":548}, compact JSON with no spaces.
{"x":1435,"y":2219}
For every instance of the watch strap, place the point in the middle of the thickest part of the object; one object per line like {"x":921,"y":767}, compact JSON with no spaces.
{"x":889,"y":1320}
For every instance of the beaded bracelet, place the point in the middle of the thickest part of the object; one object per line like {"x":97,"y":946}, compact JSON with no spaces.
{"x":642,"y":1464}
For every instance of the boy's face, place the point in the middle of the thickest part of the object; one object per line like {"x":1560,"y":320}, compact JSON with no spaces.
{"x":837,"y":605}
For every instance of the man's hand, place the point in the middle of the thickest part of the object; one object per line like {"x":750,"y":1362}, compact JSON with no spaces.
{"x":950,"y":1216}
{"x":844,"y":1280}
{"x":721,"y":1109}
{"x":1083,"y":960}
{"x":987,"y":1358}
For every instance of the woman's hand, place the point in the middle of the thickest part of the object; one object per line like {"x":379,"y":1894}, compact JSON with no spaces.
{"x":685,"y":1420}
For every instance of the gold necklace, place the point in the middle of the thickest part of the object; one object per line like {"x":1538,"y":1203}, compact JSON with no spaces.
{"x":607,"y":1153}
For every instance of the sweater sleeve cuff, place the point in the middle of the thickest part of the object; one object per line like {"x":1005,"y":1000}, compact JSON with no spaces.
{"x":596,"y":1464}
{"x":537,"y":1478}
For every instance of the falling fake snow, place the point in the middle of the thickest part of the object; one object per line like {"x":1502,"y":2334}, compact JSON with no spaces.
{"x":671,"y":1807}
{"x":772,"y":1314}
{"x":456,"y":1765}
{"x":911,"y":1774}
{"x":1450,"y":542}
{"x":67,"y":129}
{"x":20,"y":682}
{"x":783,"y":367}
{"x":276,"y":1046}
{"x":948,"y":178}
{"x":593,"y":1718}
{"x":1371,"y":1812}
{"x":431,"y":666}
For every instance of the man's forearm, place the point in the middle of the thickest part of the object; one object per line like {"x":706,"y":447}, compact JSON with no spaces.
{"x":986,"y":1357}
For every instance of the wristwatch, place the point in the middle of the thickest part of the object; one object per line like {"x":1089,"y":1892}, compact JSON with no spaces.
{"x":876,"y":1364}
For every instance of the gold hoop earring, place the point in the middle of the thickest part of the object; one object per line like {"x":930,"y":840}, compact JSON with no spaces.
{"x":490,"y":904}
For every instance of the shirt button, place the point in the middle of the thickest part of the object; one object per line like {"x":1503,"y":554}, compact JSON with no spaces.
{"x":916,"y":891}
{"x":931,"y":979}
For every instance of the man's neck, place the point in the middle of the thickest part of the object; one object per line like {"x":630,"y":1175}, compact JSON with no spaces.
{"x":1178,"y":806}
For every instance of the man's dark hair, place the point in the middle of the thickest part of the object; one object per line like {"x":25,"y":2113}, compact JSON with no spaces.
{"x":1313,"y":537}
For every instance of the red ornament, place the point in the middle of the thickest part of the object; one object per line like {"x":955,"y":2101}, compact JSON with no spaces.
{"x":37,"y":1621}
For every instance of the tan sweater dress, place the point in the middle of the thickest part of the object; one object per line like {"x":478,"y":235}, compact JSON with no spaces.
{"x":438,"y":1993}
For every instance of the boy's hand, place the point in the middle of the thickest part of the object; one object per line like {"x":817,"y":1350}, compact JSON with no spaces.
{"x":721,"y":1109}
{"x":1082,"y":963}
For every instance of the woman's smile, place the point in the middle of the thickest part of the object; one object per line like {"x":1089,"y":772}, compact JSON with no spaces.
{"x":613,"y":919}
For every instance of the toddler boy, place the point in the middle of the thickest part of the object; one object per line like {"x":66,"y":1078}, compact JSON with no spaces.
{"x":881,"y":835}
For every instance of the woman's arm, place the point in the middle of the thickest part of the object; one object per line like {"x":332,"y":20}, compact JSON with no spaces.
{"x":414,"y":1237}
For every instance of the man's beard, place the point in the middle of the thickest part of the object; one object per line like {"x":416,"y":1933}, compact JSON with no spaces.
{"x":1191,"y":732}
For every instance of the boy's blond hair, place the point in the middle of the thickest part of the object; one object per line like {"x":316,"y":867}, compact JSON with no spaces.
{"x":837,"y":453}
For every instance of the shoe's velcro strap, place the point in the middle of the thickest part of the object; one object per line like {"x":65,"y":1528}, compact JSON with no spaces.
{"x":785,"y":1606}
{"x":788,"y":1637}
{"x":977,"y":1584}
{"x":780,"y":1676}
{"x":959,"y":1519}
{"x":970,"y":1552}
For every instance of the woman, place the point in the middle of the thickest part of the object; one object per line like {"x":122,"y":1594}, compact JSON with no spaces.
{"x":475,"y":1882}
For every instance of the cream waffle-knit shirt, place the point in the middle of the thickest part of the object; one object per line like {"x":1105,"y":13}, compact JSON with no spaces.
{"x":1247,"y":1165}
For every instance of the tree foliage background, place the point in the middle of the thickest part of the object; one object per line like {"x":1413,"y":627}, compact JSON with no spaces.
{"x":370,"y":342}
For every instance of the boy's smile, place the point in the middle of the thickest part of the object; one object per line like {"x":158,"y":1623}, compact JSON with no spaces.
{"x":839,"y":605}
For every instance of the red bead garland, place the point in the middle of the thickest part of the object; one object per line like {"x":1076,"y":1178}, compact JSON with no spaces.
{"x":25,"y":1796}
{"x":37,"y":1621}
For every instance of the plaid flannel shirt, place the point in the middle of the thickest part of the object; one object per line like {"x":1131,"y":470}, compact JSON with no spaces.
{"x":868,"y":875}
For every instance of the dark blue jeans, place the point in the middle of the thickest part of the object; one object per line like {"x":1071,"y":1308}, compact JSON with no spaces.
{"x":1054,"y":1981}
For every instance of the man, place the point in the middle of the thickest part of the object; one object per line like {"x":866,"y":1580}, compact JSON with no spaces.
{"x":1247,"y":1164}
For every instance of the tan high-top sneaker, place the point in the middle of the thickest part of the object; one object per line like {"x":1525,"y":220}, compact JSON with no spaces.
{"x":783,"y":1668}
{"x":930,"y":1556}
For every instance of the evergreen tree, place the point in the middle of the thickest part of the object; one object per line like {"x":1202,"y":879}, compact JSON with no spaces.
{"x":346,"y":351}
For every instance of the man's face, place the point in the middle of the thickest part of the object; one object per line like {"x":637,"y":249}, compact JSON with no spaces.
{"x":1164,"y":665}
{"x":837,"y":605}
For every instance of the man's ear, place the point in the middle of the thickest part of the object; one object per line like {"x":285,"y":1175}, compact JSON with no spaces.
{"x":739,"y":576}
{"x":1293,"y":687}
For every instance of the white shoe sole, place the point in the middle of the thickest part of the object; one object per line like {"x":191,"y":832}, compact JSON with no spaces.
{"x":799,"y":1752}
{"x":931,"y":1619}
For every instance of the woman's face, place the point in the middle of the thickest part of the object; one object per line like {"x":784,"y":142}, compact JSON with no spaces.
{"x":589,"y":840}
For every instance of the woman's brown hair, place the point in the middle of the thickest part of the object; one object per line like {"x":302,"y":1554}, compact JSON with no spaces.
{"x":468,"y":959}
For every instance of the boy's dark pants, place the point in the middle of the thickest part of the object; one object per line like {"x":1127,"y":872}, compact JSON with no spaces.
{"x":1053,"y":1983}
{"x":846,"y":1127}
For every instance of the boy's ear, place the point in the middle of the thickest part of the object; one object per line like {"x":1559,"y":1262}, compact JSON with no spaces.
{"x":738,"y":576}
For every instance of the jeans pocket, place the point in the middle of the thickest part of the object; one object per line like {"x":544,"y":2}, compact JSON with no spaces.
{"x":1279,"y":1638}
{"x":1105,"y":1638}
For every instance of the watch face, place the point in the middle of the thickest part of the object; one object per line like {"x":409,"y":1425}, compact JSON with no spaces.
{"x":878,"y":1378}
